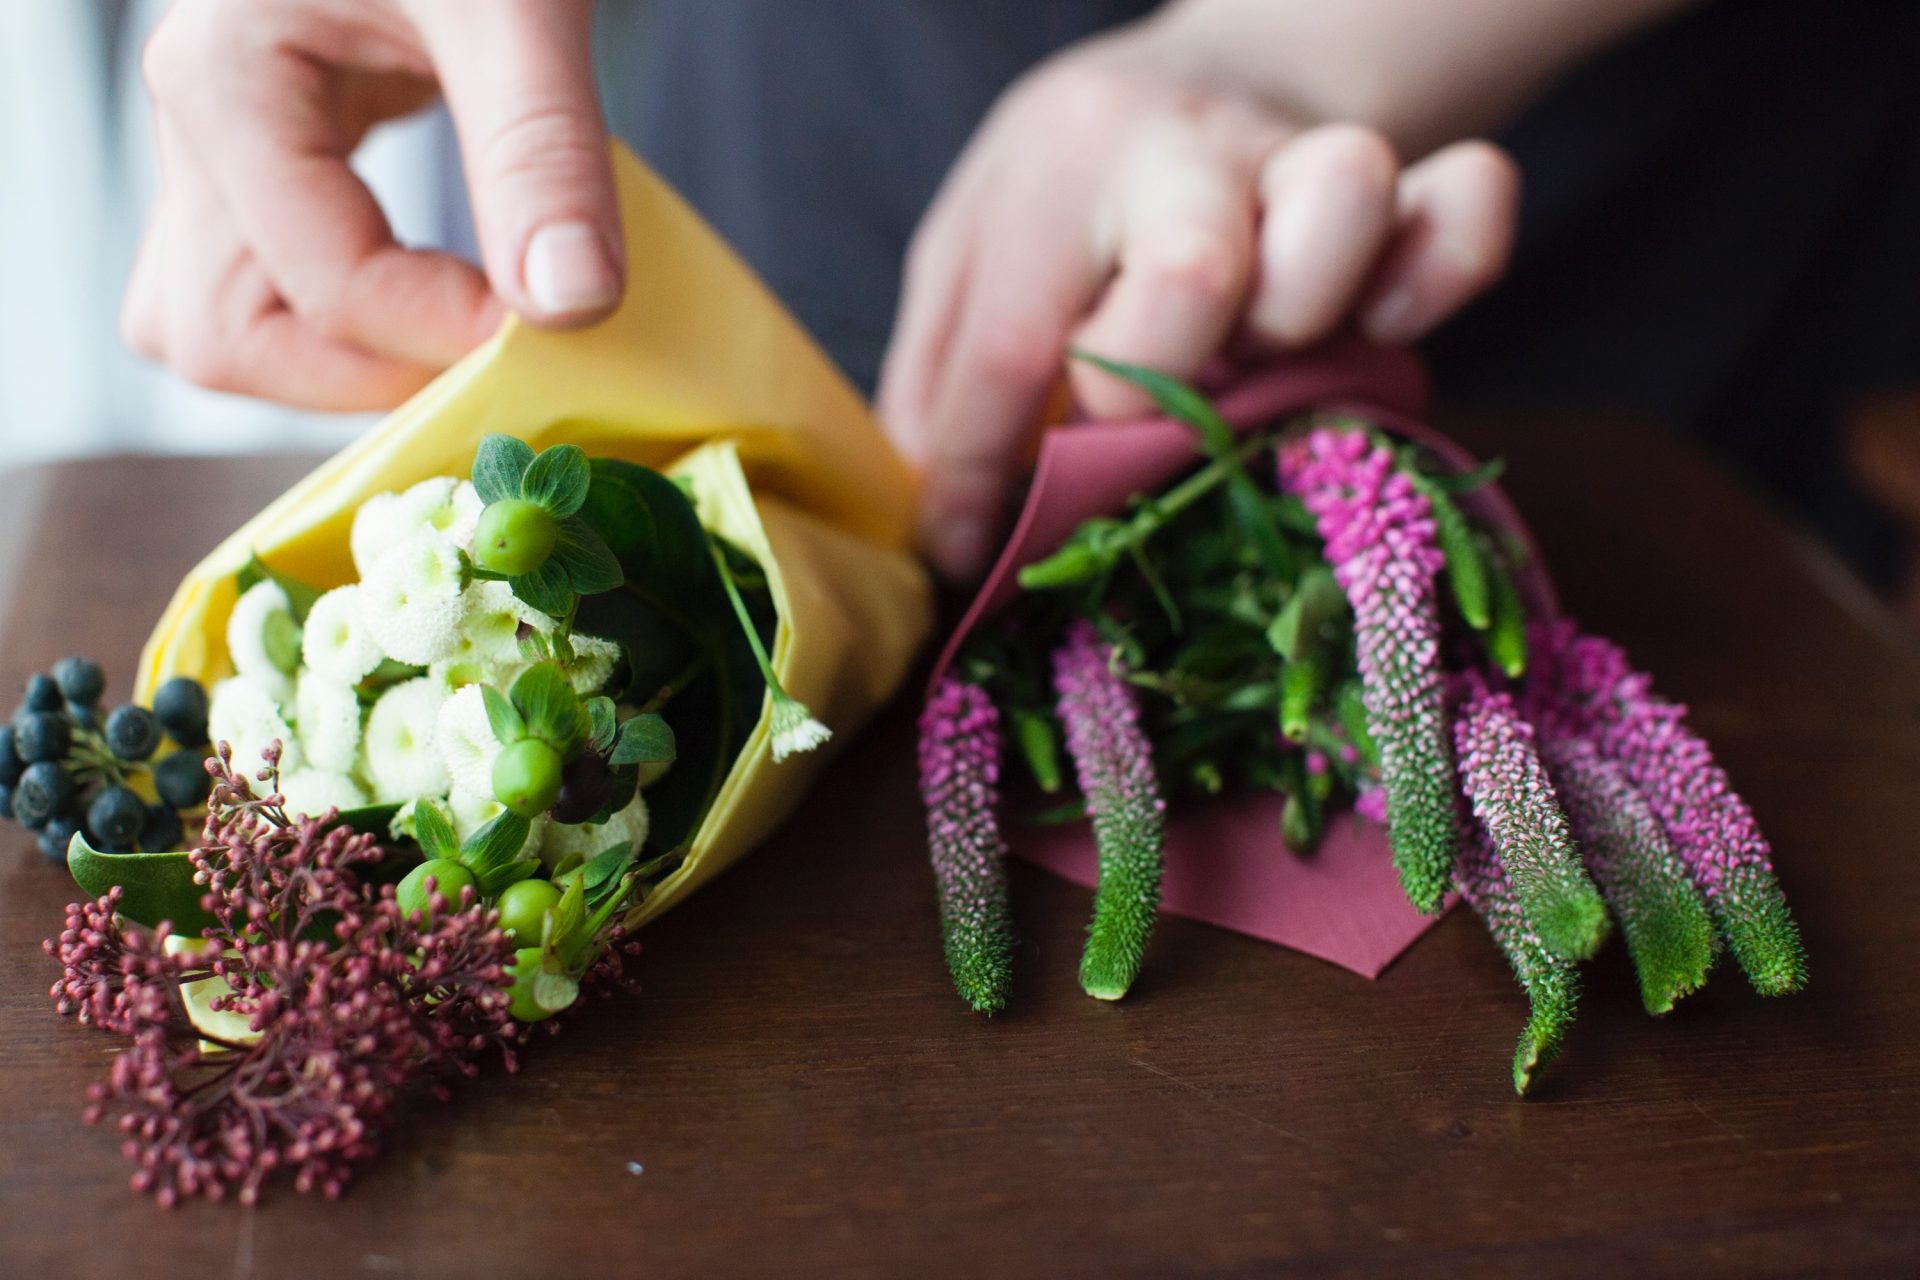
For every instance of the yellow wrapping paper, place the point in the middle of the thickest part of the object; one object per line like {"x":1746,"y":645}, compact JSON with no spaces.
{"x":701,"y":374}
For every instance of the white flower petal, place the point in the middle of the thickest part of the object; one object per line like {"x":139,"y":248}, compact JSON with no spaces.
{"x":311,"y":792}
{"x":490,"y":622}
{"x":244,"y":714}
{"x":593,"y":660}
{"x":411,"y":600}
{"x":400,"y":758}
{"x":466,"y":741}
{"x":376,"y":528}
{"x":795,"y":730}
{"x":327,"y":719}
{"x":335,"y":641}
{"x":562,"y":838}
{"x":467,"y":507}
{"x":259,"y":607}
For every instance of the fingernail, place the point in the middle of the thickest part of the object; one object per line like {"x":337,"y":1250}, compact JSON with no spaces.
{"x":1395,"y":318}
{"x":568,"y":270}
{"x":960,"y":544}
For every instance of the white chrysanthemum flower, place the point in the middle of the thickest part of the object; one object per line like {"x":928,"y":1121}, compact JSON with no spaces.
{"x":376,"y":528}
{"x":411,"y":600}
{"x":400,"y":758}
{"x":260,"y":611}
{"x":335,"y":642}
{"x":475,"y":809}
{"x":326,"y":716}
{"x":311,"y":792}
{"x":593,"y":660}
{"x":466,"y":741}
{"x":465,"y":515}
{"x":585,"y":839}
{"x":244,"y":714}
{"x":490,"y":622}
{"x":794,"y":729}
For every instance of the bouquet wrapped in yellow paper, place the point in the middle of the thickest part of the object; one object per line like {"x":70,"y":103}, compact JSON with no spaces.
{"x":552,"y":645}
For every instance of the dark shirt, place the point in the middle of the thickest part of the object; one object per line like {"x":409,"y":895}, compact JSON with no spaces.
{"x":1716,"y":232}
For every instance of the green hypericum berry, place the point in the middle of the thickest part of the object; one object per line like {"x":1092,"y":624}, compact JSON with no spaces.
{"x":449,"y":879}
{"x":526,"y":966}
{"x":515,"y":536}
{"x":527,"y":777}
{"x":523,"y":908}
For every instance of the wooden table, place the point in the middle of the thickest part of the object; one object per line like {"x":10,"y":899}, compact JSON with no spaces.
{"x":798,"y":1091}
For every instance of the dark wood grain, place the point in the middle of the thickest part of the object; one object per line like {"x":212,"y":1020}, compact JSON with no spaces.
{"x":797,"y":1090}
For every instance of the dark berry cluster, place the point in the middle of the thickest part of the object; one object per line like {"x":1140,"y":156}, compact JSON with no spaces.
{"x":67,"y":766}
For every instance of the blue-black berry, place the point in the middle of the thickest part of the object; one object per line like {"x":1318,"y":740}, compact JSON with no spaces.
{"x":162,"y":831}
{"x":182,"y":780}
{"x":45,"y":790}
{"x":10,"y":762}
{"x":43,"y":694}
{"x":115,"y":818}
{"x":82,"y":715}
{"x":80,"y":680}
{"x":181,"y":705}
{"x":133,"y":732}
{"x":57,"y":836}
{"x":6,"y":801}
{"x":41,"y":735}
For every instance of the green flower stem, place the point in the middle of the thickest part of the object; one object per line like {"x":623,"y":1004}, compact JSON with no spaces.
{"x":746,"y":623}
{"x":1076,"y":562}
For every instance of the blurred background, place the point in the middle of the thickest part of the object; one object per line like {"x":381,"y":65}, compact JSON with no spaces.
{"x":1718,"y":234}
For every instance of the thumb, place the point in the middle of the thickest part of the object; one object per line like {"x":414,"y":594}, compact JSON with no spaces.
{"x":518,"y":79}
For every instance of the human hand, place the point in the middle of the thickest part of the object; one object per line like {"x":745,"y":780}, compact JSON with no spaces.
{"x":267,"y":266}
{"x":1114,"y":202}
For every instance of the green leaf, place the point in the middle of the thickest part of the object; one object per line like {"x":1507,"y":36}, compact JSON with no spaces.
{"x":1457,"y":482}
{"x":554,"y":991}
{"x":553,"y":712}
{"x":600,"y":714}
{"x":1350,"y":705}
{"x":548,"y":589}
{"x":509,"y":726}
{"x":1316,"y":603}
{"x":300,"y":595}
{"x":558,"y":479}
{"x":1507,"y":634}
{"x":589,"y":562}
{"x":1466,"y":567}
{"x":498,"y":465}
{"x":604,"y":869}
{"x":617,"y":512}
{"x":153,"y":886}
{"x":646,"y":739}
{"x":492,"y":851}
{"x":1175,"y":398}
{"x":1301,"y":685}
{"x":433,"y":830}
{"x":1033,"y":731}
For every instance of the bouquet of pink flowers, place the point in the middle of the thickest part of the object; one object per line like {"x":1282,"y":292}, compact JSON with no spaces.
{"x":1309,"y":628}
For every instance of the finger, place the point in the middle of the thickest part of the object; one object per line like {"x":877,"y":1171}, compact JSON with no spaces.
{"x":518,"y":77}
{"x":1458,"y":211}
{"x":1028,"y":275}
{"x":1328,"y":209}
{"x":1185,"y":233}
{"x":260,"y":125}
{"x":205,"y":307}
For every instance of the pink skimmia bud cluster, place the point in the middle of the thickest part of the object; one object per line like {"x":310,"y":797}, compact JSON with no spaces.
{"x":347,"y":1003}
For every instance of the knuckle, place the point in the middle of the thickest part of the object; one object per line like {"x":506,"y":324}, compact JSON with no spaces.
{"x":1362,"y":151}
{"x":1019,"y":351}
{"x":1197,"y":261}
{"x":1072,"y":95}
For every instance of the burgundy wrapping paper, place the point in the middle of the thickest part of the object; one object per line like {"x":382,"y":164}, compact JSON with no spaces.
{"x":1226,"y":864}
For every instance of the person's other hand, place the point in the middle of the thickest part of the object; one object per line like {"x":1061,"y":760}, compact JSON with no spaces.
{"x":1108,"y":205}
{"x":268,"y":267}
